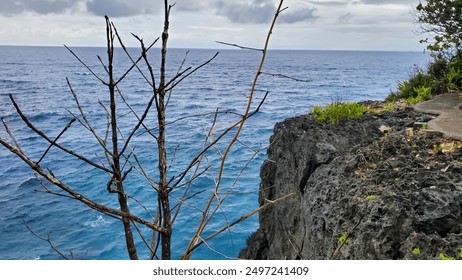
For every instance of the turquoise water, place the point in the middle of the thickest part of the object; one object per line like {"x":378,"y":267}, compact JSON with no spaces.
{"x":36,"y":76}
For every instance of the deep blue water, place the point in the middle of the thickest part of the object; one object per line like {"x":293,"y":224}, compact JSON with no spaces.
{"x":36,"y":76}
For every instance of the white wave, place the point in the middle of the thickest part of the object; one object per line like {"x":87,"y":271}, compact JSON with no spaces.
{"x":99,"y":222}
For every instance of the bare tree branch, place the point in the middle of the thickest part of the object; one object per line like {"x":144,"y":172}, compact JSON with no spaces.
{"x":48,"y":240}
{"x":86,"y":66}
{"x":85,"y":119}
{"x":90,"y":203}
{"x":44,"y":136}
{"x":204,"y":218}
{"x":239,"y":220}
{"x":56,"y":139}
{"x":285,"y":77}
{"x":239,"y":46}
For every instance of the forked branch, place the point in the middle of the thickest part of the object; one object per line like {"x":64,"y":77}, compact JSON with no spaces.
{"x":205,"y":216}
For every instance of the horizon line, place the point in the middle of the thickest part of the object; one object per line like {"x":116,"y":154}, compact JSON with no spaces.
{"x":212,"y":48}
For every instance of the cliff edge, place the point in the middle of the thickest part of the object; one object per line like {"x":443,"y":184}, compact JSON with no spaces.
{"x":374,"y":188}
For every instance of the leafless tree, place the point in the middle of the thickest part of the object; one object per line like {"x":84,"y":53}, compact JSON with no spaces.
{"x":118,"y":158}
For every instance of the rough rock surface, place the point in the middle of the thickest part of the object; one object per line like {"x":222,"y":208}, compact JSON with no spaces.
{"x":364,"y":189}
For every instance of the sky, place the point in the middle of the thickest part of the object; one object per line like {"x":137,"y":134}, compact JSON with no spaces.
{"x":314,"y":25}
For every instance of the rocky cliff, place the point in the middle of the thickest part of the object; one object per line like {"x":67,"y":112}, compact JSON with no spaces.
{"x":365,"y":189}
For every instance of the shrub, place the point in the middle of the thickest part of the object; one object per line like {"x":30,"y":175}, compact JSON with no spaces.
{"x":453,"y":78}
{"x":423,"y":93}
{"x":441,"y":76}
{"x":337,"y":111}
{"x":406,"y":89}
{"x":438,"y":68}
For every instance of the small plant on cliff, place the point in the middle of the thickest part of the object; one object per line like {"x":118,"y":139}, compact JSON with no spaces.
{"x":416,"y":251}
{"x":337,"y":111}
{"x":446,"y":258}
{"x":390,"y":106}
{"x":344,"y":239}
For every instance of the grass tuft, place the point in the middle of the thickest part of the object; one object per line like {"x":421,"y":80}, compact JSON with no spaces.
{"x":337,"y":111}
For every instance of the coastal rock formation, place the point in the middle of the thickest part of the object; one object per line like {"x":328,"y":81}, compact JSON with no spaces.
{"x":373,"y":188}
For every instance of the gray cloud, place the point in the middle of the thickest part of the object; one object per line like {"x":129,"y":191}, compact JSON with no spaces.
{"x":126,"y":8}
{"x":257,"y":11}
{"x":190,"y":6}
{"x":122,"y":8}
{"x":383,"y":2}
{"x":330,"y":3}
{"x":11,"y":7}
{"x":306,"y":14}
{"x":261,"y":11}
{"x":345,"y":18}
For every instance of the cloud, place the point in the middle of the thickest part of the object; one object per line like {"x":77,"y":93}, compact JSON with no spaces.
{"x":122,"y":8}
{"x":257,"y":11}
{"x":190,"y":6}
{"x":345,"y":18}
{"x":384,"y":2}
{"x":11,"y":7}
{"x":330,"y":3}
{"x":261,"y":11}
{"x":305,"y":14}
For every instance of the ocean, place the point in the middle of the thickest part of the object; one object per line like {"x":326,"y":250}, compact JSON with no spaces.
{"x":36,"y":77}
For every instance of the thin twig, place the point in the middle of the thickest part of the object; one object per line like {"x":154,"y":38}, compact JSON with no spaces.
{"x":173,"y":83}
{"x":86,"y":66}
{"x":217,"y":139}
{"x":285,"y":77}
{"x":238,"y":46}
{"x":336,"y":252}
{"x":177,"y":72}
{"x":11,"y":134}
{"x":56,"y":139}
{"x":241,"y":219}
{"x":84,"y":117}
{"x":224,"y":112}
{"x":134,"y":62}
{"x":143,"y":239}
{"x":44,"y":136}
{"x":76,"y":195}
{"x":48,"y":240}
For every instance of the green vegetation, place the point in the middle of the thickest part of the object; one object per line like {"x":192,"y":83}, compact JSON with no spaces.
{"x":423,"y":93}
{"x":416,"y":251}
{"x":440,"y":148}
{"x":445,"y":258}
{"x":460,"y":253}
{"x":390,"y":106}
{"x":441,"y":76}
{"x":344,"y":239}
{"x":453,"y":76}
{"x":442,"y":20}
{"x":337,"y":111}
{"x":372,"y":197}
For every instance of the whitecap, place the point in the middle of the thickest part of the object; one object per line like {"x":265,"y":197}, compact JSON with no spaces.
{"x":99,"y":222}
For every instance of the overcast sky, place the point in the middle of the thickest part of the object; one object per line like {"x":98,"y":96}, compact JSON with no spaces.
{"x":316,"y":24}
